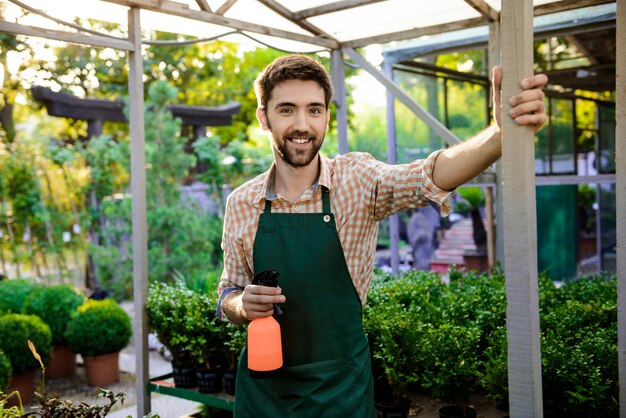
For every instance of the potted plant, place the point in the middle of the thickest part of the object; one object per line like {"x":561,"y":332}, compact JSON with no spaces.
{"x":22,"y":328}
{"x":55,"y":305}
{"x":449,"y":372}
{"x":207,"y":336}
{"x":13,"y":293}
{"x":166,"y":309}
{"x":98,"y":330}
{"x":235,"y":342}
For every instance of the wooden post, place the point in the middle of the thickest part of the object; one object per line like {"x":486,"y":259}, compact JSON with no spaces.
{"x":138,"y":190}
{"x":339,"y":83}
{"x":392,"y":154}
{"x":520,"y":218}
{"x":620,"y":195}
{"x":490,"y":241}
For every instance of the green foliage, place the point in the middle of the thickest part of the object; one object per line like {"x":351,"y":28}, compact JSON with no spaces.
{"x":53,"y":406}
{"x":14,"y":411}
{"x":13,"y":293}
{"x":16,"y":330}
{"x":98,"y":327}
{"x":184,"y":320}
{"x":166,"y":309}
{"x":450,"y":338}
{"x":54,"y":305}
{"x":5,"y":371}
{"x":474,"y":199}
{"x":449,"y":359}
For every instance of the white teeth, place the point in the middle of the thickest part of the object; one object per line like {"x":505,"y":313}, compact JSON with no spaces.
{"x":300,"y":140}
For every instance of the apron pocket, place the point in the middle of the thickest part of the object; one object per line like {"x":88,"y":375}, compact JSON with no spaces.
{"x":321,"y":389}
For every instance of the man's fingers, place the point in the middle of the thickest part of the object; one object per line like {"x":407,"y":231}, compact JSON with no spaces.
{"x":537,"y":121}
{"x":535,"y":106}
{"x":537,"y":81}
{"x":526,"y":96}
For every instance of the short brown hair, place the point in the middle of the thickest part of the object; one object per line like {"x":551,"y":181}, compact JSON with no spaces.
{"x":291,"y":67}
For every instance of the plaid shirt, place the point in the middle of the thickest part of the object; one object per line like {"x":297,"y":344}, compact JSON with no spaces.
{"x":363,"y":191}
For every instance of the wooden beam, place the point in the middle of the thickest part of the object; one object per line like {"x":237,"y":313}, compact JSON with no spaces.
{"x":138,"y":212}
{"x":560,"y":6}
{"x":399,"y":94}
{"x":215,"y":19}
{"x":225,"y":7}
{"x":333,"y":7}
{"x":620,"y":196}
{"x":484,"y":9}
{"x":415,"y":33}
{"x":204,"y":5}
{"x":338,"y":74}
{"x":71,"y":37}
{"x":287,"y":14}
{"x":520,"y":218}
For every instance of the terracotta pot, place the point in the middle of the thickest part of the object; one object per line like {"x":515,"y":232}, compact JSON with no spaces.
{"x":23,"y":383}
{"x":62,"y":362}
{"x":102,"y":370}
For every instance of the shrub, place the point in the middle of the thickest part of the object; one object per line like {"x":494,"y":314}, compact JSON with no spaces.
{"x":206,"y":333}
{"x":449,"y":355}
{"x":98,"y":327}
{"x":5,"y":372}
{"x":166,"y":308}
{"x":13,"y":293}
{"x":16,"y":330}
{"x":54,"y":305}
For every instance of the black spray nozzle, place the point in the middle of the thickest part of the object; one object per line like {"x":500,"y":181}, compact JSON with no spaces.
{"x":268,"y":278}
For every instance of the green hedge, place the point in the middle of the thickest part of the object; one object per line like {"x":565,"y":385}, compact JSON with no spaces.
{"x":54,"y":305}
{"x":449,"y":338}
{"x":13,"y":293}
{"x":98,"y":327}
{"x":5,"y":372}
{"x":16,"y":330}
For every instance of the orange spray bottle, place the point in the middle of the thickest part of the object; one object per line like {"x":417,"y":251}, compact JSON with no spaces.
{"x":265,"y":351}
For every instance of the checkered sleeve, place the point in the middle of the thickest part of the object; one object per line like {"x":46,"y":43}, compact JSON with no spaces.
{"x":236,"y":273}
{"x":393,"y":188}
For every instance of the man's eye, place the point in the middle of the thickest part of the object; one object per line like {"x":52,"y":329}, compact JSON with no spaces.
{"x":316,"y":111}
{"x":284,"y":111}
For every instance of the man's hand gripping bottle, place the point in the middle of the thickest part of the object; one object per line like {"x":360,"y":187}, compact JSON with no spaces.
{"x":265,"y":351}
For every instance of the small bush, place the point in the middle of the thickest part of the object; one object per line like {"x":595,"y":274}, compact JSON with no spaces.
{"x":98,"y":327}
{"x":13,"y":293}
{"x":5,"y":372}
{"x":54,"y":305}
{"x":16,"y":330}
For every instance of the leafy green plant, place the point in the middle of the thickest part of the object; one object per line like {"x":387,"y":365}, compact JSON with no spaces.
{"x":98,"y":327}
{"x":206,"y":333}
{"x":16,"y":411}
{"x":449,"y":353}
{"x":22,"y":328}
{"x":166,"y":311}
{"x":54,"y":305}
{"x":235,"y":342}
{"x":13,"y":293}
{"x":5,"y":372}
{"x":493,"y":374}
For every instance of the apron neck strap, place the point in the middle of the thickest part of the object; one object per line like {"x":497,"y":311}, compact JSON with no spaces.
{"x":325,"y":202}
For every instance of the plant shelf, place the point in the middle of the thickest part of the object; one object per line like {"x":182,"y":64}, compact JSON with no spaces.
{"x":165,"y":385}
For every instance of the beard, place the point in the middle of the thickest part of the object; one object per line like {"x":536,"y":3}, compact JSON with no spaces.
{"x":295,"y":157}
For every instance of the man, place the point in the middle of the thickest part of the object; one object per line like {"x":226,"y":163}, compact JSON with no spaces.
{"x":314,"y":220}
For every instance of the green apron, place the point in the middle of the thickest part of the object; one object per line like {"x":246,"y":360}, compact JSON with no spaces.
{"x":326,"y":371}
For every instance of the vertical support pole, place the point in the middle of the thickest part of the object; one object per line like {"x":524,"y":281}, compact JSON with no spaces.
{"x":620,"y":195}
{"x":490,"y":243}
{"x":520,"y":218}
{"x":138,"y":191}
{"x":494,"y":59}
{"x":394,"y":220}
{"x":339,"y":83}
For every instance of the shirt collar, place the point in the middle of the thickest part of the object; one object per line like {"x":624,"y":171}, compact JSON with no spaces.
{"x":267,"y":191}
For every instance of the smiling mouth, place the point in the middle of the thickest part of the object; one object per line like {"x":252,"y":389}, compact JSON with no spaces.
{"x":299,"y":140}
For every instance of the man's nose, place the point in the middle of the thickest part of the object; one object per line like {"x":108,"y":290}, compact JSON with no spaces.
{"x":300,"y":122}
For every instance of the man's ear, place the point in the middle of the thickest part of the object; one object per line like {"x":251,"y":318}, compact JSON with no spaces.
{"x":262,"y":118}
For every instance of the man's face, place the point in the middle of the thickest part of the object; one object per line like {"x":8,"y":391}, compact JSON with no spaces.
{"x":297,"y":120}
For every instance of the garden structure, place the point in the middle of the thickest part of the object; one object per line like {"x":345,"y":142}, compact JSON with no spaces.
{"x":325,"y":26}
